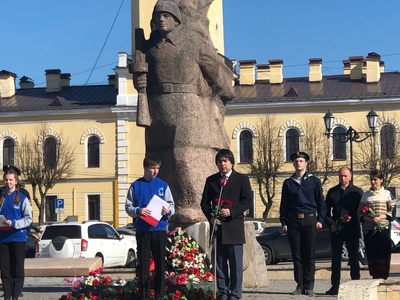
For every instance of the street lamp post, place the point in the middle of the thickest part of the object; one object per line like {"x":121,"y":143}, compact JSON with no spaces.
{"x":351,"y":134}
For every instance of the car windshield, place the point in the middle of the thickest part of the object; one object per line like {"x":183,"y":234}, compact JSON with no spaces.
{"x":70,"y":231}
{"x":270,"y":229}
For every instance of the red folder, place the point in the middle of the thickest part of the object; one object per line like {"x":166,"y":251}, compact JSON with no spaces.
{"x":151,"y":220}
{"x":155,"y":205}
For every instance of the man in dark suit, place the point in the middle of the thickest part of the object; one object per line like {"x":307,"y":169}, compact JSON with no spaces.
{"x":228,"y":184}
{"x":302,"y":213}
{"x":342,"y":203}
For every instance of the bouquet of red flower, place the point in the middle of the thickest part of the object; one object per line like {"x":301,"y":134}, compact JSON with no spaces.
{"x":219,"y":204}
{"x":368,"y":212}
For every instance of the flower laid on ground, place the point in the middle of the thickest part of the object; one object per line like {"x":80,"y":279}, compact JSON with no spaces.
{"x":368,"y":212}
{"x":187,"y":265}
{"x":186,"y":262}
{"x":100,"y":287}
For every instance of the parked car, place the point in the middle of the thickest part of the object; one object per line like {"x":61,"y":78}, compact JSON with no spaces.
{"x":32,"y":241}
{"x":88,"y":239}
{"x":125,"y":231}
{"x":258,"y":227}
{"x":276,"y":245}
{"x":395,"y":232}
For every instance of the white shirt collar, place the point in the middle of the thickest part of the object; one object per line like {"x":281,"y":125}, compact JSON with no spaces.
{"x":227,"y":174}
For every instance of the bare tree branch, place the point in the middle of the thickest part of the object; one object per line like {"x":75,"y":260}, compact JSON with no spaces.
{"x":32,"y":157}
{"x":268,"y":159}
{"x":380,"y":152}
{"x":319,"y":149}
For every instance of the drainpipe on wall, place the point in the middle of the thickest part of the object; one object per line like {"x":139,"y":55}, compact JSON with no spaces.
{"x":116,"y":208}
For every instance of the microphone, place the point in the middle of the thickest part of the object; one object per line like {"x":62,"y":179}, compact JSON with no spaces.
{"x":223,"y":181}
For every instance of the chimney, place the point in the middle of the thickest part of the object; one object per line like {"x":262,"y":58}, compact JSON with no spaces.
{"x":263,"y":72}
{"x":276,"y":70}
{"x":53,"y":80}
{"x":65,"y":79}
{"x":346,"y":67}
{"x":356,"y":67}
{"x":247,"y":71}
{"x":381,"y":66}
{"x":127,"y":95}
{"x":373,"y":70}
{"x":7,"y":84}
{"x":315,"y":74}
{"x":26,"y":83}
{"x":112,"y":80}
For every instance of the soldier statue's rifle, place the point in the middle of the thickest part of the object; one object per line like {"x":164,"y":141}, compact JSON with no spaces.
{"x":139,"y":67}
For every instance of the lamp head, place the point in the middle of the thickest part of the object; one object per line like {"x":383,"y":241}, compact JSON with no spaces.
{"x":372,"y":119}
{"x":328,"y":120}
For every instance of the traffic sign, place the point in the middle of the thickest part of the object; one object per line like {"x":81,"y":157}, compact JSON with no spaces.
{"x":59,"y":206}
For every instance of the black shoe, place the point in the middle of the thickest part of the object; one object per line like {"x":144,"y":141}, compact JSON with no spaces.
{"x":309,"y":293}
{"x":297,"y":291}
{"x":332,"y":291}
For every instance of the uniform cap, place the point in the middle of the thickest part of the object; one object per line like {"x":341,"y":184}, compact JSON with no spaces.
{"x":6,"y":168}
{"x":299,"y":154}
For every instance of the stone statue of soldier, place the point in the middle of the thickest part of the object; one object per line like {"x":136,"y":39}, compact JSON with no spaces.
{"x":187,"y":87}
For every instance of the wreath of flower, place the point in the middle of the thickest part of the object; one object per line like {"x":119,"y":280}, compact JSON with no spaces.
{"x":187,"y":262}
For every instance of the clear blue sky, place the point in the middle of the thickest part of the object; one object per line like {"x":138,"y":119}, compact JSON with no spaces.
{"x":68,"y":35}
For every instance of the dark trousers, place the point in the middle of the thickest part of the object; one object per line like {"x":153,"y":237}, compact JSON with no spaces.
{"x":229,"y":277}
{"x":302,"y":235}
{"x":12,"y":259}
{"x":151,"y":242}
{"x":352,"y":244}
{"x":378,"y":248}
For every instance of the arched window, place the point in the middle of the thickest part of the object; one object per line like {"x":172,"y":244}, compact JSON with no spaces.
{"x":50,"y":153}
{"x":93,"y":152}
{"x":388,"y":141}
{"x":339,"y":143}
{"x":8,"y":152}
{"x":292,"y":142}
{"x":246,"y":146}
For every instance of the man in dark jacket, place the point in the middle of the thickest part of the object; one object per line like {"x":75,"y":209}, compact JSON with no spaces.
{"x":230,"y":185}
{"x":342,"y":203}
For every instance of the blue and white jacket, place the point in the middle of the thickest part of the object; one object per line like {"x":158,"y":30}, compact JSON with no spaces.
{"x":20,"y":215}
{"x":139,"y":196}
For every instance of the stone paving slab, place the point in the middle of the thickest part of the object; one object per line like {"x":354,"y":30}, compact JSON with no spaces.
{"x":42,"y":267}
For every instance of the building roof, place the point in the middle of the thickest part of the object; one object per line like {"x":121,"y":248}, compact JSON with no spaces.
{"x":336,"y":87}
{"x":31,"y":99}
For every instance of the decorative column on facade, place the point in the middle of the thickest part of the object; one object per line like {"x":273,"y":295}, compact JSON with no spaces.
{"x":125,"y":109}
{"x":122,"y":165}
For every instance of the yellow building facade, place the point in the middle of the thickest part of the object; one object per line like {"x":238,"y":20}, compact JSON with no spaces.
{"x":108,"y":114}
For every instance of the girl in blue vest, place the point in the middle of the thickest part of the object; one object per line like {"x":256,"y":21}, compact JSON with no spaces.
{"x":15,"y":218}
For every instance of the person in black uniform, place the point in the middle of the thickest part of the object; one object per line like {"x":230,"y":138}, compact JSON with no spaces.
{"x":342,"y":203}
{"x":302,"y":212}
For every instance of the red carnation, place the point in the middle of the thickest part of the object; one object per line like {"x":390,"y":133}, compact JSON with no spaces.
{"x":365,"y":209}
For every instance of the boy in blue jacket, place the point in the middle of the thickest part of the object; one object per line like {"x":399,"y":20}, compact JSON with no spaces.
{"x":150,"y":239}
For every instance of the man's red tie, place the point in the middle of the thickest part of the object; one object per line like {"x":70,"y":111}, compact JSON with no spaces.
{"x":224,"y":179}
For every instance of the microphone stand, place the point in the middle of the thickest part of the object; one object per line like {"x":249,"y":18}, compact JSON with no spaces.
{"x":214,"y":237}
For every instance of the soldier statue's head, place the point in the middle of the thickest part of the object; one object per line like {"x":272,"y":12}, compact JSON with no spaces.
{"x":165,"y":6}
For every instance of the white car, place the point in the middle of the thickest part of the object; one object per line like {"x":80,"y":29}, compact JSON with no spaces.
{"x":395,"y":231}
{"x":258,"y":227}
{"x":88,"y":239}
